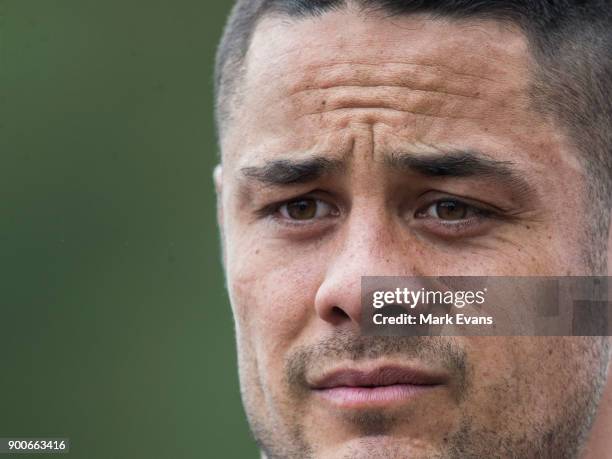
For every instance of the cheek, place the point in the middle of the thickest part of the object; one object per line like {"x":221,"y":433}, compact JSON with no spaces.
{"x":530,"y":379}
{"x":272,"y":299}
{"x":272,"y":295}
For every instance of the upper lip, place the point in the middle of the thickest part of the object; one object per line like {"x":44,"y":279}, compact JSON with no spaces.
{"x":379,"y":376}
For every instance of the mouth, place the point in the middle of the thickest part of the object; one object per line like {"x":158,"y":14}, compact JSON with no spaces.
{"x":376,"y":387}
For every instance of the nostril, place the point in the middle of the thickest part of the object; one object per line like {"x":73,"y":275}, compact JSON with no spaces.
{"x":338,"y":313}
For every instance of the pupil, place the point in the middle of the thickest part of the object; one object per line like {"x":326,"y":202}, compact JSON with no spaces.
{"x":451,"y":210}
{"x":302,"y":210}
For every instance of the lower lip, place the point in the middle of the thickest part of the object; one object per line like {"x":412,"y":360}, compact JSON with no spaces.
{"x":358,"y":397}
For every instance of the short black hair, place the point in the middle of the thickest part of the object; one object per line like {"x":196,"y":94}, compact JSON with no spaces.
{"x":570,"y":40}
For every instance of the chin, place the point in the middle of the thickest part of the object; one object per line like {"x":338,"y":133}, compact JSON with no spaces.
{"x":380,"y":446}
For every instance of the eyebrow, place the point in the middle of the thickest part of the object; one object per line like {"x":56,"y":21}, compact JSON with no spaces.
{"x":451,"y":164}
{"x":460,"y":164}
{"x":292,"y":172}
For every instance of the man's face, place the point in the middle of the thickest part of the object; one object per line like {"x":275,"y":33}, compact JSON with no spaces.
{"x":409,"y":147}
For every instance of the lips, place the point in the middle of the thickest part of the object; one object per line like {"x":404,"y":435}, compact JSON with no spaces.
{"x":355,"y":388}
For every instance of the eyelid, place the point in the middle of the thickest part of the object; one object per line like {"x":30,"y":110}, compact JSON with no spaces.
{"x":319,"y":202}
{"x":440,"y":195}
{"x":481,"y":211}
{"x":494,"y":210}
{"x":273,"y":209}
{"x":481,"y":219}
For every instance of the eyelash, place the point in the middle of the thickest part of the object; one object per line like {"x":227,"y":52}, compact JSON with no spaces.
{"x":458,"y":227}
{"x":478,"y":211}
{"x":274,"y":211}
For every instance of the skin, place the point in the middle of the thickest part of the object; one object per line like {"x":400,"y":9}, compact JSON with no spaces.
{"x":354,"y":89}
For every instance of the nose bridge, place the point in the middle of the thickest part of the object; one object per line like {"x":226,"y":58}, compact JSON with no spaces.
{"x":367,"y":246}
{"x":374,"y":243}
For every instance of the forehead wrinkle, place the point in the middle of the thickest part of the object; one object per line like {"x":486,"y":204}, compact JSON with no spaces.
{"x":356,"y":71}
{"x":429,"y":68}
{"x":304,"y":80}
{"x":306,"y":64}
{"x":430,"y":94}
{"x":330,"y":73}
{"x":320,"y":65}
{"x":388,"y":87}
{"x":375,"y":115}
{"x":280,"y":69}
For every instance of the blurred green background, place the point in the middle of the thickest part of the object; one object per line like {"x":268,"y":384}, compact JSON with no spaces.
{"x":115,"y":330}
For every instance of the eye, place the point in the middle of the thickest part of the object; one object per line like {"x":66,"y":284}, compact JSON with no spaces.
{"x":448,"y":210}
{"x":306,"y":209}
{"x":451,"y":218}
{"x":451,"y":210}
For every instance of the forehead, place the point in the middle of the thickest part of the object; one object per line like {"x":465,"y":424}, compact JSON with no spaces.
{"x":409,"y":78}
{"x":281,"y":43}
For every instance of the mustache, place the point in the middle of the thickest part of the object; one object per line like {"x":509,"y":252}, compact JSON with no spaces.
{"x":442,"y":352}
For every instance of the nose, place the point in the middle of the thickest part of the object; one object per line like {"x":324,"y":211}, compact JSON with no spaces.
{"x":365,"y":246}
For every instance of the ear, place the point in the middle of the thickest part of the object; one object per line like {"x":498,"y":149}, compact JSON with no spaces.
{"x":218,"y":179}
